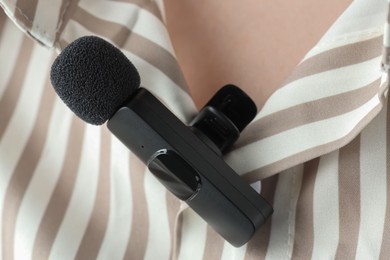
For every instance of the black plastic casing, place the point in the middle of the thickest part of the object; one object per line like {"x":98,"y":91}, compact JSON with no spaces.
{"x":221,"y":197}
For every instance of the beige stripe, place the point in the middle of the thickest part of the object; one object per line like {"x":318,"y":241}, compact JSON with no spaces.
{"x":388,"y":13}
{"x":214,"y":245}
{"x":25,"y":12}
{"x":304,"y":233}
{"x":349,"y":199}
{"x":67,"y":15}
{"x":385,"y":249}
{"x":176,"y":245}
{"x":24,"y":171}
{"x":138,"y":239}
{"x":338,"y":57}
{"x":9,"y":99}
{"x":257,"y":246}
{"x":3,"y":21}
{"x":386,"y":58}
{"x":307,"y":113}
{"x":96,"y":229}
{"x":173,"y":207}
{"x":60,"y":198}
{"x":150,"y":6}
{"x":134,"y":43}
{"x":309,"y":154}
{"x":62,"y":44}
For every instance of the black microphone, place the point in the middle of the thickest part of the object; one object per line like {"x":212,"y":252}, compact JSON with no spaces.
{"x":98,"y":83}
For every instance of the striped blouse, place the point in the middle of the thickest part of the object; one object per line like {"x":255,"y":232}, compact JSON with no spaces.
{"x":71,"y":190}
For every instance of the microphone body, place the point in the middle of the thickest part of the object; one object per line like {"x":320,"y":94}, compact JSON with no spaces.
{"x":188,"y":168}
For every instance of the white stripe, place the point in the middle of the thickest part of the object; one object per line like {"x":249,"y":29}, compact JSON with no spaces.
{"x":159,"y":239}
{"x":321,"y":85}
{"x":193,"y":236}
{"x":373,"y":188}
{"x":326,"y":208}
{"x":121,"y":202}
{"x":345,"y":39}
{"x":132,"y":17}
{"x":47,"y":172}
{"x":256,"y":186}
{"x":46,"y":20}
{"x":174,"y":97}
{"x":232,"y":253}
{"x":386,"y":36}
{"x":296,"y":140}
{"x":10,"y":43}
{"x":20,"y":126}
{"x":80,"y":207}
{"x":281,"y":241}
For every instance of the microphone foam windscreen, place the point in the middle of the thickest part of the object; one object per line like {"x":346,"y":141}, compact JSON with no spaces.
{"x":93,"y":78}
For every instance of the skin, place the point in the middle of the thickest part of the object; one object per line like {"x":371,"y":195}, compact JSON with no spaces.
{"x":254,"y":44}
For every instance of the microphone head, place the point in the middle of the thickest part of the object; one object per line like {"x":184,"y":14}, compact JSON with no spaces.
{"x":93,"y":78}
{"x":235,"y":104}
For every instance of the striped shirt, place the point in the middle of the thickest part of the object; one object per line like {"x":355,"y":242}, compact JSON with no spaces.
{"x":71,"y":190}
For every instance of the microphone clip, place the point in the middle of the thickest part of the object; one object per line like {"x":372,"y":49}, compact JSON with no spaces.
{"x":221,"y":120}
